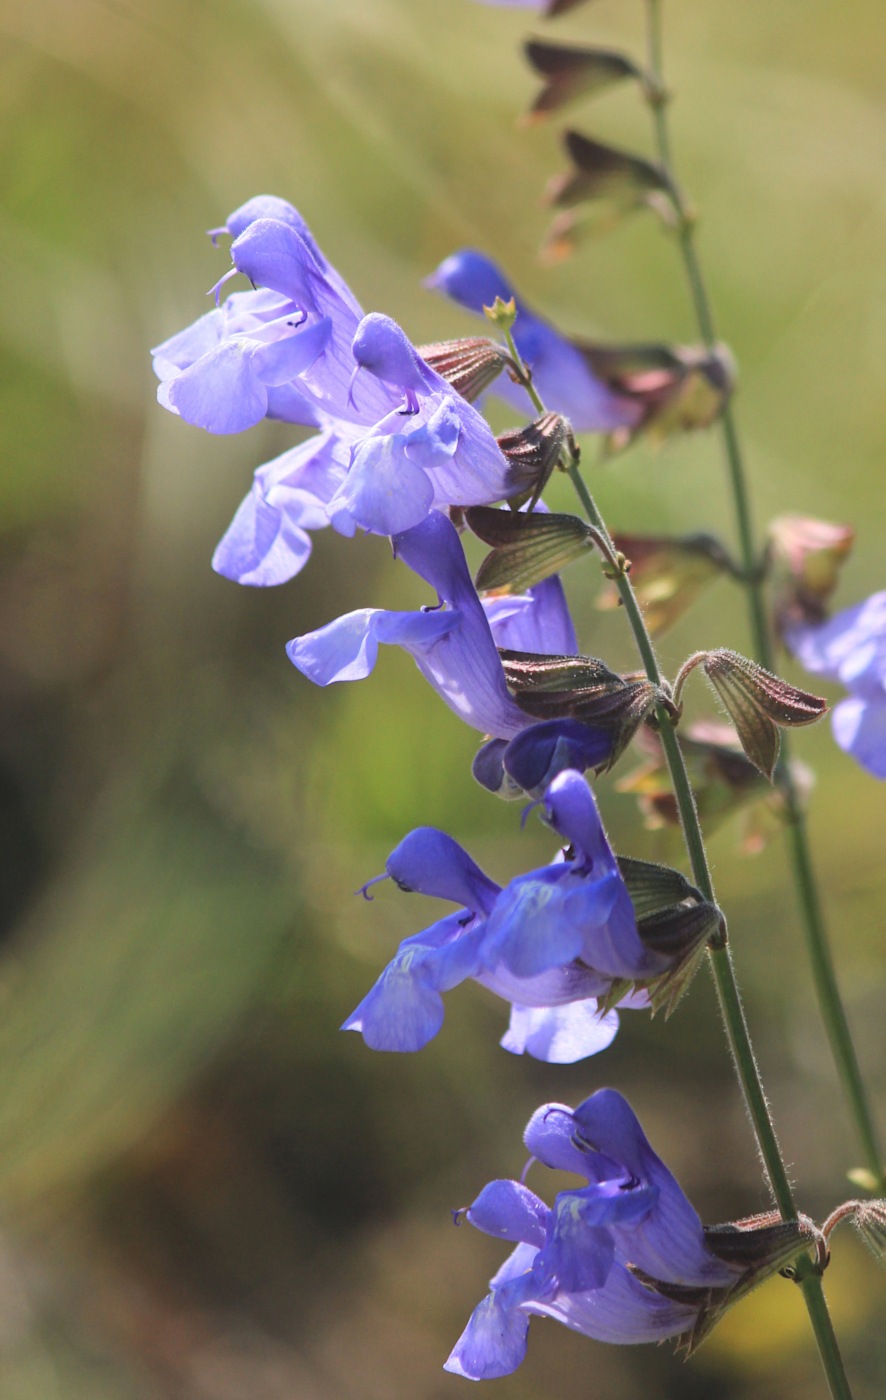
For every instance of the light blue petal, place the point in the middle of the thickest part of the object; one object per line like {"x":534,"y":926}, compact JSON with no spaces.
{"x":859,"y":728}
{"x":384,"y":492}
{"x":260,"y":547}
{"x":560,"y":1035}
{"x":220,"y":392}
{"x":280,"y":361}
{"x":623,"y":1311}
{"x":430,"y":862}
{"x":435,"y":442}
{"x":527,"y":930}
{"x":401,"y":1013}
{"x":347,"y":649}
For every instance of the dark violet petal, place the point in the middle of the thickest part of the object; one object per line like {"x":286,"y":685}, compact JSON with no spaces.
{"x":347,"y":649}
{"x":471,"y":279}
{"x":669,"y":1243}
{"x":577,"y":1253}
{"x":560,"y":1035}
{"x":518,"y":1263}
{"x":400,"y":1014}
{"x":465,"y":668}
{"x":430,"y":862}
{"x":488,"y":764}
{"x":220,"y":392}
{"x":510,"y":1212}
{"x":404,"y":1010}
{"x":527,"y":930}
{"x":560,"y":372}
{"x":542,"y":751}
{"x":549,"y":1137}
{"x":572,"y":811}
{"x":623,"y":1311}
{"x":493,"y":1343}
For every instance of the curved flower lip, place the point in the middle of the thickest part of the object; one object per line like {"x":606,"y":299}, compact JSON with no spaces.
{"x":268,"y":542}
{"x":604,"y":1129}
{"x":226,"y":389}
{"x":559,"y":371}
{"x":453,"y":648}
{"x":428,"y":861}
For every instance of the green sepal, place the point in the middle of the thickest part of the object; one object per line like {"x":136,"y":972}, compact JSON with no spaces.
{"x":527,"y":547}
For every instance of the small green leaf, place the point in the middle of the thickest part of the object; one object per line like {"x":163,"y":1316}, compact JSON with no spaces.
{"x":653,"y":887}
{"x":571,"y":72}
{"x":605,"y":173}
{"x":757,"y":703}
{"x":528,"y":547}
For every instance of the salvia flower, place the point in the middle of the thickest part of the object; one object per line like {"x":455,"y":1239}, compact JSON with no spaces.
{"x":551,"y":942}
{"x":624,"y":1259}
{"x":455,"y":651}
{"x":398,"y":438}
{"x":851,"y":648}
{"x":560,"y":372}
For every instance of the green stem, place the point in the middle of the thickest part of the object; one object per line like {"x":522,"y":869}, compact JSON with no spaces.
{"x":817,"y":942}
{"x":731,"y":1009}
{"x":823,"y":1327}
{"x":724,"y":974}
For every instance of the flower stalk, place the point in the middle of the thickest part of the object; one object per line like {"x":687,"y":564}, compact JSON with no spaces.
{"x":817,"y":942}
{"x":807,"y":1274}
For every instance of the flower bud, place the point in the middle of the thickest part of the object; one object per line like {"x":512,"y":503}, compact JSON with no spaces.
{"x":668,"y":573}
{"x":758,"y":703}
{"x":469,"y":365}
{"x":582,"y":688}
{"x":502,"y":313}
{"x":761,"y":1245}
{"x":534,"y":451}
{"x":571,"y":72}
{"x":806,"y":556}
{"x":527,"y":547}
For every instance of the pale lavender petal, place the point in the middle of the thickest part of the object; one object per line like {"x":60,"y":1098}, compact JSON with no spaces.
{"x":561,"y":1035}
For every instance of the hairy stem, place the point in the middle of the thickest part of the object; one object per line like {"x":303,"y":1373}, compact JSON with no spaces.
{"x":830,"y":1003}
{"x":728,"y":994}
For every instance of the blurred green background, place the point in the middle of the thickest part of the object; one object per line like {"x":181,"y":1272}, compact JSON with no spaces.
{"x":207,"y":1191}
